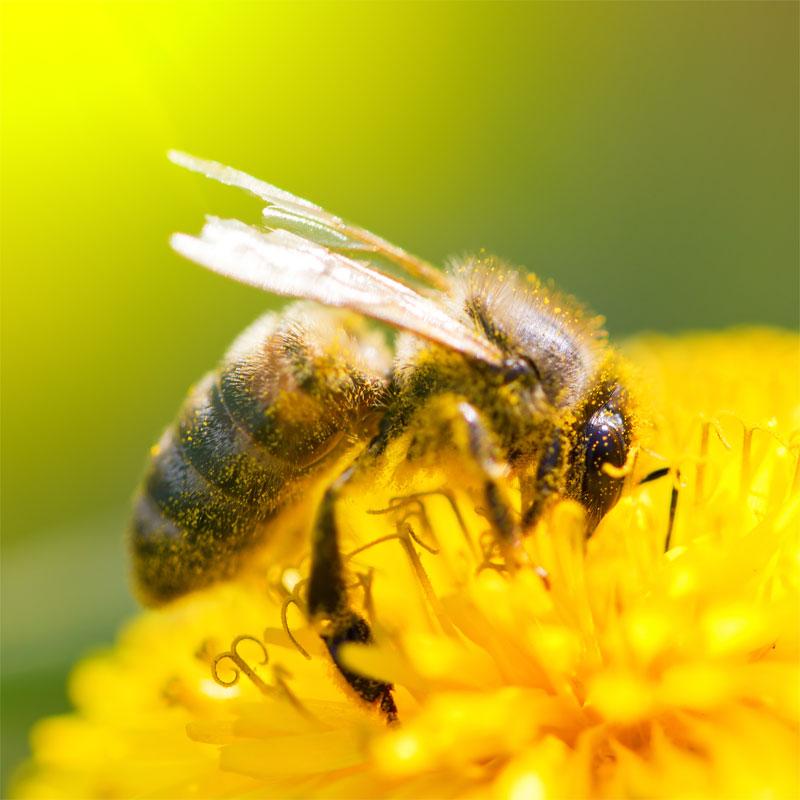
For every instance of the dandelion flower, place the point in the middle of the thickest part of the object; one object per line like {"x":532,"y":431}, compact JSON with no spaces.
{"x":658,"y":659}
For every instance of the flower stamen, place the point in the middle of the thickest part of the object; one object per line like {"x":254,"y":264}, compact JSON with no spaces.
{"x":407,"y":537}
{"x":240,"y":665}
{"x":294,"y":600}
{"x":395,"y":502}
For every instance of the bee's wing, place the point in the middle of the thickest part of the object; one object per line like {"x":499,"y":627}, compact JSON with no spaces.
{"x":284,"y":263}
{"x":287,"y":212}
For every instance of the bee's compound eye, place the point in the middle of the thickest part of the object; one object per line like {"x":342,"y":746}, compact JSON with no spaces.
{"x":605,"y":442}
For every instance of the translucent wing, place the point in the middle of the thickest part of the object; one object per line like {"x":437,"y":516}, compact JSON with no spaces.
{"x":284,"y":263}
{"x":308,"y":253}
{"x":287,"y":212}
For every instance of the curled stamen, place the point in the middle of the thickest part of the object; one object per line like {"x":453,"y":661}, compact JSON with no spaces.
{"x":403,"y":500}
{"x":403,"y":523}
{"x":407,"y":537}
{"x":422,"y":577}
{"x":240,"y":665}
{"x":419,"y":512}
{"x":368,"y":545}
{"x":394,"y":504}
{"x":279,"y":673}
{"x":397,"y":502}
{"x":293,"y":600}
{"x":417,"y":509}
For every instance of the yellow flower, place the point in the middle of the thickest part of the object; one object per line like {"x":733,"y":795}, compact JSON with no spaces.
{"x":616,"y":670}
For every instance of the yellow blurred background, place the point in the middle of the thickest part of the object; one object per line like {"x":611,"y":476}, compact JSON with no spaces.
{"x":644,"y":155}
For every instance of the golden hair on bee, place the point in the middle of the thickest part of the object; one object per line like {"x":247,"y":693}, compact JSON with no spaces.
{"x":518,"y":312}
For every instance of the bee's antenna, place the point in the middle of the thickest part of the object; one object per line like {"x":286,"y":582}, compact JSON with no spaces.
{"x":662,"y":472}
{"x":673,"y":507}
{"x":655,"y":475}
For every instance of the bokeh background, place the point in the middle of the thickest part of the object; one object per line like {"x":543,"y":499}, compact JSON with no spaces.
{"x":645,"y":156}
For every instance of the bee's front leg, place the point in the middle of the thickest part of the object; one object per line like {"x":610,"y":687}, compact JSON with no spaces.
{"x":329,"y":606}
{"x":480,"y":451}
{"x":451,"y":422}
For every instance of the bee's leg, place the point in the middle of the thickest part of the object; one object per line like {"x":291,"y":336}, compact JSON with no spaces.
{"x":451,"y":422}
{"x":482,"y":454}
{"x":328,"y":604}
{"x":539,"y":490}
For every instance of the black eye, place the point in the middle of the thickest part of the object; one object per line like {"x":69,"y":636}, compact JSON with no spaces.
{"x":605,"y":442}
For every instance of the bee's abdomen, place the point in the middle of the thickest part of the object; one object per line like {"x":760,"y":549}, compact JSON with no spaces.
{"x":216,"y":446}
{"x":288,"y":391}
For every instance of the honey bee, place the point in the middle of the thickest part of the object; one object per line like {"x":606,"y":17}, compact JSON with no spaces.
{"x":513,"y":378}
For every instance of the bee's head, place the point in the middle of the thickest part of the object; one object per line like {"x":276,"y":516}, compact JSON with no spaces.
{"x":557,"y":360}
{"x":602,"y":439}
{"x":575,"y":462}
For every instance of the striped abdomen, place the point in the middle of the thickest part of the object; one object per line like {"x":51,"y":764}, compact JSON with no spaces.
{"x":292,"y":388}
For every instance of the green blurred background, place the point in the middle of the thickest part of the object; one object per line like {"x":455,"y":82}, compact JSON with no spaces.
{"x":643,"y":155}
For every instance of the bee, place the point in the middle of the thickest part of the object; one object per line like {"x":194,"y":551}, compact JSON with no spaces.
{"x":514,"y":379}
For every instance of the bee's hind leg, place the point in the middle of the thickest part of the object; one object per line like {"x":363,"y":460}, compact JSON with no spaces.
{"x":328,"y":603}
